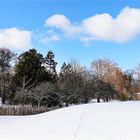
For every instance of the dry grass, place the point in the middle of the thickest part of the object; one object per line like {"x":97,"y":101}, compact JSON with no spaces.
{"x":22,"y":110}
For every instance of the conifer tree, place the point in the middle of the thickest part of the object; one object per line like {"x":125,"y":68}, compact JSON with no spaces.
{"x":29,"y":69}
{"x":50,"y":65}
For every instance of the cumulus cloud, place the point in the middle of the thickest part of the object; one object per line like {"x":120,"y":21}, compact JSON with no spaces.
{"x":62,"y":23}
{"x":122,"y":28}
{"x":15,"y":38}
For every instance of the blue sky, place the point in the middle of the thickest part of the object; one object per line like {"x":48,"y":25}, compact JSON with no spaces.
{"x":78,"y":34}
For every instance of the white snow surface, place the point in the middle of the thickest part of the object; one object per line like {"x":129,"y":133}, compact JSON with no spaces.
{"x":104,"y":121}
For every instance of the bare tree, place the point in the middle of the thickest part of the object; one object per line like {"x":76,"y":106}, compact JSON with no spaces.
{"x":39,"y":93}
{"x":6,"y":59}
{"x":101,"y":67}
{"x":75,"y":83}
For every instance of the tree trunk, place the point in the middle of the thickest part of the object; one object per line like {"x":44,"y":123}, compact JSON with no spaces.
{"x":98,"y":99}
{"x":107,"y":99}
{"x":67,"y":104}
{"x":38,"y":104}
{"x":86,"y":100}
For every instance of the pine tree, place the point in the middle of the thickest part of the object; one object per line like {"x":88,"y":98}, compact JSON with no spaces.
{"x":65,"y":72}
{"x":29,"y":69}
{"x":50,"y":65}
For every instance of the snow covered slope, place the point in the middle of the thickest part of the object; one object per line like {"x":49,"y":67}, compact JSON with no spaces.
{"x":104,"y":121}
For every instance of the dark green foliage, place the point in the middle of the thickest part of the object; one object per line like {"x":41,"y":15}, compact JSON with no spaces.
{"x":30,"y":68}
{"x":67,"y":84}
{"x":104,"y":91}
{"x":73,"y":85}
{"x":95,"y":88}
{"x":35,"y":82}
{"x":80,"y":86}
{"x":50,"y":66}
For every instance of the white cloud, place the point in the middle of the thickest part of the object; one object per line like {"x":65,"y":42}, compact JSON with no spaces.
{"x":101,"y":26}
{"x":15,"y":38}
{"x":63,"y":23}
{"x":98,"y":27}
{"x":48,"y":39}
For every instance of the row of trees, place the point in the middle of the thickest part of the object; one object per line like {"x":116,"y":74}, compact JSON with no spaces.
{"x":31,"y":78}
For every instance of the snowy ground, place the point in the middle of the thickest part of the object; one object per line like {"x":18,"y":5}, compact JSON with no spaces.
{"x":104,"y":121}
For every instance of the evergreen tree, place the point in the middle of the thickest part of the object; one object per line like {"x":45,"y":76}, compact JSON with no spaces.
{"x":70,"y":83}
{"x":50,"y":65}
{"x":65,"y":72}
{"x":30,"y":69}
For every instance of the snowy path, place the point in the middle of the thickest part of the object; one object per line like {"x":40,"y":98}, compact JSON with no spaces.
{"x":105,"y":121}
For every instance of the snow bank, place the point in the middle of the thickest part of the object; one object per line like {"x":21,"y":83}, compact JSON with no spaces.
{"x":104,"y":121}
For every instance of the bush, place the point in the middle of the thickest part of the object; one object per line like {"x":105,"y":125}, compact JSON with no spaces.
{"x":123,"y":97}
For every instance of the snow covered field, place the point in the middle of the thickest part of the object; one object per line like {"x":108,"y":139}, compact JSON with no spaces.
{"x":104,"y":121}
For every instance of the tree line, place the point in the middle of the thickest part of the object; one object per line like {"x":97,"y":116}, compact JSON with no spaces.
{"x":31,"y":78}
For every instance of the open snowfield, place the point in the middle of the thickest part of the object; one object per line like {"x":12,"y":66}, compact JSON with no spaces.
{"x":104,"y":121}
